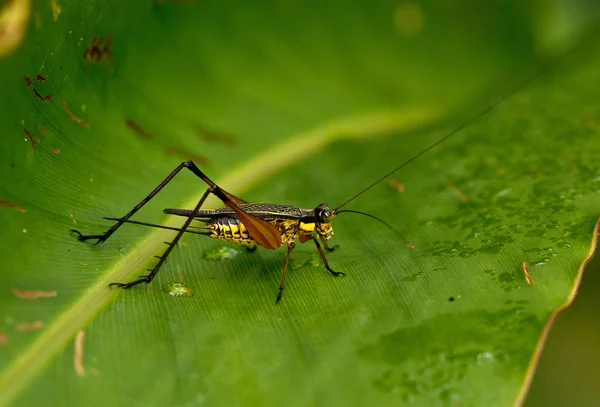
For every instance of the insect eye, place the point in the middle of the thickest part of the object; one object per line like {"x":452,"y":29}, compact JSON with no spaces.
{"x":325,"y":216}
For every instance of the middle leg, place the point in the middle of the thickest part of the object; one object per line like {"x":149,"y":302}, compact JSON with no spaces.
{"x":287,"y":262}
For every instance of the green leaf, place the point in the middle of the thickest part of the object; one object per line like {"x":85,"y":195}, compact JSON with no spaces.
{"x":297,"y":103}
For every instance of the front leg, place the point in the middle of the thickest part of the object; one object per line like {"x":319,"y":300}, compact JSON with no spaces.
{"x":325,"y":263}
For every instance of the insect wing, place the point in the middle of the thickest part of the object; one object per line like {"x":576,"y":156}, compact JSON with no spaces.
{"x":264,"y":233}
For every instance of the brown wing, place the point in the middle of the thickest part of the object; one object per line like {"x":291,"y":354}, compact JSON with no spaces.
{"x":263,"y":232}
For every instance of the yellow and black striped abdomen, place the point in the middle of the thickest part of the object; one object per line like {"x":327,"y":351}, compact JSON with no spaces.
{"x":230,"y":230}
{"x":233,"y":230}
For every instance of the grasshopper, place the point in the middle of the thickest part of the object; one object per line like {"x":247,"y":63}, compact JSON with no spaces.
{"x":248,"y":224}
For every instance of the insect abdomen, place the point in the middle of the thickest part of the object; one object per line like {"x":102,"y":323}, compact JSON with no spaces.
{"x":230,"y":230}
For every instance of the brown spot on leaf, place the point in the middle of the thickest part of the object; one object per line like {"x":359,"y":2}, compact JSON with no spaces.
{"x":526,"y":272}
{"x":41,"y":78}
{"x":394,"y":183}
{"x":3,"y":338}
{"x":42,"y":98}
{"x":28,"y":81}
{"x":138,"y":130}
{"x":410,"y":245}
{"x":30,"y":326}
{"x":98,"y":51}
{"x":28,"y":134}
{"x":54,"y":150}
{"x":178,"y":152}
{"x":73,"y":116}
{"x":32,"y":295}
{"x":78,"y":354}
{"x":41,"y":129}
{"x":11,"y":205}
{"x":212,"y":136}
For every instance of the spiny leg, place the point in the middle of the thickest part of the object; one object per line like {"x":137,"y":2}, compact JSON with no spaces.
{"x":335,"y":273}
{"x":287,"y":261}
{"x":102,"y":237}
{"x":163,"y":258}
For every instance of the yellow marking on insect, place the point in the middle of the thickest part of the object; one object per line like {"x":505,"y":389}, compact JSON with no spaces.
{"x":307,"y":227}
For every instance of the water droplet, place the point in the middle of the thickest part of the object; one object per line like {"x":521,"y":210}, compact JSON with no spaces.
{"x":315,"y":262}
{"x":177,"y":290}
{"x":222,"y":253}
{"x":485,"y":358}
{"x":566,"y":245}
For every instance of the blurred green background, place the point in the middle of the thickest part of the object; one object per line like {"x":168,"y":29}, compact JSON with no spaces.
{"x":221,"y":84}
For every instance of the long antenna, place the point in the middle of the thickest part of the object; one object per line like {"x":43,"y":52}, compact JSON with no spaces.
{"x":473,"y":119}
{"x":386,"y":224}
